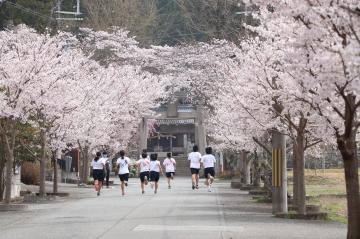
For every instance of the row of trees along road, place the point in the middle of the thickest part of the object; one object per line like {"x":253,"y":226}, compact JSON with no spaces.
{"x":300,"y":76}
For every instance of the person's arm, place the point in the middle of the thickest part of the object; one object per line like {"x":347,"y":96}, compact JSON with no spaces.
{"x":174,"y":162}
{"x":161,"y":169}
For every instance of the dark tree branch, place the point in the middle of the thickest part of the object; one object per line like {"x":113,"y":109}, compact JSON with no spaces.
{"x":262,"y":145}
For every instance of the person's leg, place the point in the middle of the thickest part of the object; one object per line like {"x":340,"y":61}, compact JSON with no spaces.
{"x":168,"y":180}
{"x":96,"y":184}
{"x":142,"y":187}
{"x":122,"y":188}
{"x":126,"y":179}
{"x":107,"y":178}
{"x":197,"y":180}
{"x":156,"y":186}
{"x":193,"y":180}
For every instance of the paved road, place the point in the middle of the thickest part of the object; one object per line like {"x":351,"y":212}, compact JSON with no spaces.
{"x":179,"y":213}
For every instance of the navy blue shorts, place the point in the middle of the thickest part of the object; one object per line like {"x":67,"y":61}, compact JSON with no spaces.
{"x":98,"y":174}
{"x":124,"y":177}
{"x":170,"y":174}
{"x":194,"y":170}
{"x":154,"y":176}
{"x":210,"y":171}
{"x":142,"y":176}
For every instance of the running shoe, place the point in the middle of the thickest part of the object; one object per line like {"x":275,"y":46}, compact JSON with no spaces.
{"x":98,"y":193}
{"x":126,"y":184}
{"x":155,"y":192}
{"x":169,"y":187}
{"x":209,"y":190}
{"x":193,"y":187}
{"x":143,"y":192}
{"x":197,"y":186}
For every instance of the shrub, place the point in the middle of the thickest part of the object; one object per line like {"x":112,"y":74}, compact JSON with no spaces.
{"x":30,"y":173}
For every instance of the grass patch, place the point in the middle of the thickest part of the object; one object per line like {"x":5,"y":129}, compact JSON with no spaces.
{"x":330,"y":182}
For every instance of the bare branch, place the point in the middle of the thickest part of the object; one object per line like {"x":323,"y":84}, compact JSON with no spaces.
{"x":262,"y":145}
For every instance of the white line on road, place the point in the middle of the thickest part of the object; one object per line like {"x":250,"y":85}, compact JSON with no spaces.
{"x":188,"y":228}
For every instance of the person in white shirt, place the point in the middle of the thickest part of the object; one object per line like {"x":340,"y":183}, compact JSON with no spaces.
{"x":195,"y":158}
{"x":208,"y":161}
{"x":98,"y":166}
{"x":155,"y":169}
{"x":143,"y":166}
{"x":169,"y":164}
{"x":123,"y":164}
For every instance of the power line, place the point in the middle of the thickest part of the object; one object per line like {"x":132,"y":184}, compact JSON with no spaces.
{"x":28,"y":10}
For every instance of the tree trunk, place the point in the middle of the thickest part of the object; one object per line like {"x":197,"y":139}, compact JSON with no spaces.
{"x":2,"y":167}
{"x":295,"y":176}
{"x":9,"y":148}
{"x":353,"y":198}
{"x":2,"y":180}
{"x":256,"y":173}
{"x":42,"y":190}
{"x":352,"y":186}
{"x":55,"y":168}
{"x":245,"y":168}
{"x":347,"y":146}
{"x":86,"y":164}
{"x":299,"y":148}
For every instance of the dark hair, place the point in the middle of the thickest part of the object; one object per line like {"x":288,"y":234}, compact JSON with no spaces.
{"x":195,"y":148}
{"x":144,"y":150}
{"x":208,"y":150}
{"x":153,"y":157}
{"x":144,"y":155}
{"x":98,"y":154}
{"x":168,"y":155}
{"x":122,"y":154}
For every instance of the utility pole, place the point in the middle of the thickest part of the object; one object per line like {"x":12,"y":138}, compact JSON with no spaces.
{"x":279,"y":174}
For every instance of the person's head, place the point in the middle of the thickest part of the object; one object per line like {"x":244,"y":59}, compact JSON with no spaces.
{"x":195,"y":148}
{"x":208,"y":150}
{"x":144,"y":150}
{"x":168,"y":155}
{"x":153,"y":157}
{"x":104,"y":154}
{"x":144,"y":155}
{"x":122,"y":153}
{"x":98,"y":155}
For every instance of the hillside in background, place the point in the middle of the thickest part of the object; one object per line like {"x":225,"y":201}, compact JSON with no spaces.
{"x":151,"y":21}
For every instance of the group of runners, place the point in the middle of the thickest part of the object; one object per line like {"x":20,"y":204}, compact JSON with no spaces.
{"x":149,"y":169}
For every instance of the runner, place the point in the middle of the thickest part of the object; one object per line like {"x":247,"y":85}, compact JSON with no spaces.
{"x":208,"y":161}
{"x":194,"y":158}
{"x":155,"y":169}
{"x":98,"y":166}
{"x":169,"y":164}
{"x":107,"y":169}
{"x":143,"y":168}
{"x":123,"y":164}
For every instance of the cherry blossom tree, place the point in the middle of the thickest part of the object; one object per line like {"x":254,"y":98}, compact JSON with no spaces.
{"x":328,"y":43}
